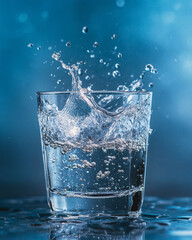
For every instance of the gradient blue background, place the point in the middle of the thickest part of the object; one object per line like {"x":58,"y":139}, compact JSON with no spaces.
{"x":157,"y":32}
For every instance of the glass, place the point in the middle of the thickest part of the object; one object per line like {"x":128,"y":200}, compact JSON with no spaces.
{"x":94,"y":148}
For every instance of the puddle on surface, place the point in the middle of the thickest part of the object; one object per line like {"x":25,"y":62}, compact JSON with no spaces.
{"x":161,"y":219}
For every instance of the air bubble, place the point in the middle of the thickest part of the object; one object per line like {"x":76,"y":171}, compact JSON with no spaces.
{"x":154,"y":71}
{"x":92,"y":55}
{"x":79,"y":71}
{"x":38,"y":48}
{"x":101,"y":60}
{"x":87,"y":77}
{"x":58,"y":81}
{"x":85,"y":29}
{"x":151,"y":84}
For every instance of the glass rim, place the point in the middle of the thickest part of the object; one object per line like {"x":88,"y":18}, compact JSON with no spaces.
{"x":93,"y":92}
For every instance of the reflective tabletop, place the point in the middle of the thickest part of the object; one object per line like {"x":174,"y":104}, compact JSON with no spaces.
{"x":30,"y":218}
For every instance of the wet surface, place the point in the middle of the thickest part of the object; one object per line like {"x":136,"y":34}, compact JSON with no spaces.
{"x":31,"y":219}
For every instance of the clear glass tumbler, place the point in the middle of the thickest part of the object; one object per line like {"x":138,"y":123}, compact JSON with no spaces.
{"x":94,"y":148}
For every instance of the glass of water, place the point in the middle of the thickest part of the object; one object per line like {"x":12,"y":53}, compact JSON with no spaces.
{"x":94,"y":148}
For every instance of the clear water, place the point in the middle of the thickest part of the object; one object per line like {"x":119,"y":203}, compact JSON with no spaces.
{"x":102,"y":181}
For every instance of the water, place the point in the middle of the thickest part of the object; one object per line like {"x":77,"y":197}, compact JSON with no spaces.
{"x":95,"y":146}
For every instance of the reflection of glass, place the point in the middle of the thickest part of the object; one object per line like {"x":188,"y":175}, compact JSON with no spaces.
{"x":98,"y":231}
{"x":94,"y":149}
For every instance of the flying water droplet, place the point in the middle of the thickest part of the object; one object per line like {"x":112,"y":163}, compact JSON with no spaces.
{"x":86,"y":70}
{"x":87,"y":77}
{"x":119,"y":55}
{"x":58,"y":81}
{"x":108,"y":73}
{"x":79,"y":71}
{"x":154,"y":71}
{"x":122,"y":88}
{"x":68,"y":44}
{"x":115,"y":48}
{"x":101,"y":60}
{"x":142,"y":75}
{"x":85,"y":29}
{"x":92,"y":55}
{"x":95,"y":44}
{"x":30,"y":45}
{"x":117,"y":65}
{"x":56,"y":56}
{"x":38,"y":48}
{"x":113,"y":36}
{"x":151,"y":85}
{"x":116,"y":73}
{"x":148,"y":67}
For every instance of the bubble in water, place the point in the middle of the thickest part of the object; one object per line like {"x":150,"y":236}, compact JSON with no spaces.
{"x":56,"y":56}
{"x":132,"y":75}
{"x":119,"y":55}
{"x":117,"y":65}
{"x":113,"y":36}
{"x":39,"y":47}
{"x":85,"y":29}
{"x":108,"y":73}
{"x":68,"y":44}
{"x":95,"y":44}
{"x":101,"y":60}
{"x":87,"y":77}
{"x":116,"y":73}
{"x":30,"y":45}
{"x":86,"y":70}
{"x":115,"y":48}
{"x":58,"y":81}
{"x":151,"y":84}
{"x":49,"y":48}
{"x":148,"y":67}
{"x":120,"y":3}
{"x":92,"y":55}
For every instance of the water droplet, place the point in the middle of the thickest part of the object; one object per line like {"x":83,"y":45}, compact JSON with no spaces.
{"x":86,"y":70}
{"x":30,"y":45}
{"x":154,"y":71}
{"x":68,"y":44}
{"x":58,"y":81}
{"x":151,"y":85}
{"x":79,"y":71}
{"x":88,"y":51}
{"x":142,"y":75}
{"x":117,"y":65}
{"x":56,"y":56}
{"x":113,"y":36}
{"x":87,"y":77}
{"x":95,"y":44}
{"x":119,"y":55}
{"x":108,"y":73}
{"x":132,"y":75}
{"x":101,"y":60}
{"x":49,"y":48}
{"x":115,"y":73}
{"x":85,"y":29}
{"x":148,"y":67}
{"x":39,"y":47}
{"x":120,"y":3}
{"x":92,"y":55}
{"x":122,"y":88}
{"x":115,"y":48}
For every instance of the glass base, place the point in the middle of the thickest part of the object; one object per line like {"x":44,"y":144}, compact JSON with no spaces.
{"x":90,"y":206}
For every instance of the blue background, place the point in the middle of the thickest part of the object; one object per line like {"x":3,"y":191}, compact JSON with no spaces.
{"x":157,"y":32}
